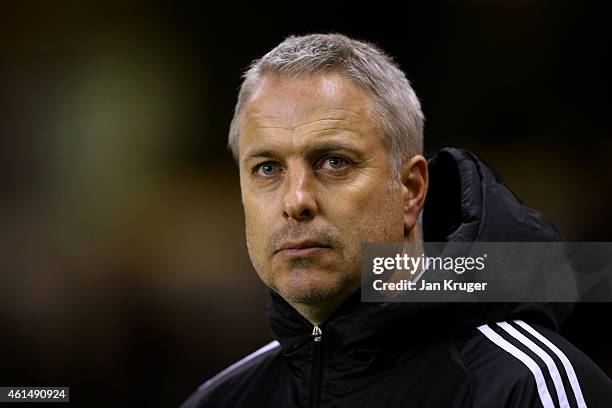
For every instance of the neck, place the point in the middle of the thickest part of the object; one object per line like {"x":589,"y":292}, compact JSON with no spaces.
{"x":319,"y":313}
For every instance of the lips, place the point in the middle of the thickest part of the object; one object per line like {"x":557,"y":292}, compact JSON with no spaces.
{"x":302,"y":248}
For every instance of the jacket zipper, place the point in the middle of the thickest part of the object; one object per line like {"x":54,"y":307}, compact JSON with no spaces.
{"x":317,"y":367}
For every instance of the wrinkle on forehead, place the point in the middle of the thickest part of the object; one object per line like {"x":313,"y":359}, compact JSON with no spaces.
{"x":292,"y":120}
{"x":331,"y":123}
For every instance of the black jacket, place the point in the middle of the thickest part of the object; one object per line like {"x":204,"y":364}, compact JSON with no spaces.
{"x":426,"y":354}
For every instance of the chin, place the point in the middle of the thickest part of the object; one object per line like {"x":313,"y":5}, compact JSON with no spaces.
{"x":311,"y":287}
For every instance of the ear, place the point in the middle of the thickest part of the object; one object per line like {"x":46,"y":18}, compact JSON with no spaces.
{"x":415,"y":181}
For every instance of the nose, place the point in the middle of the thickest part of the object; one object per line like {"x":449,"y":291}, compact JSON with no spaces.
{"x":299,"y":201}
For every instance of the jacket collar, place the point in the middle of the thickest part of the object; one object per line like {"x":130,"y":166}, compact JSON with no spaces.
{"x":363,"y":327}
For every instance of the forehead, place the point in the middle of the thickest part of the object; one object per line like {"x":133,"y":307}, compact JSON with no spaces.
{"x":289,"y":98}
{"x":305,"y":106}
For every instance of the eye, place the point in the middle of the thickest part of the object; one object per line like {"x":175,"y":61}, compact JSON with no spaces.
{"x":267,"y":169}
{"x":334,"y":163}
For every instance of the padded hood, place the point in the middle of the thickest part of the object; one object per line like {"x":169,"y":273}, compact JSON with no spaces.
{"x":468,"y":202}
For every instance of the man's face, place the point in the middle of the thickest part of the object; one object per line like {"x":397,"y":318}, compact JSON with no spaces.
{"x":316,"y":183}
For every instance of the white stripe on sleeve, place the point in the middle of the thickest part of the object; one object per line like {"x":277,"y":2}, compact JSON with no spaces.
{"x":569,"y":369}
{"x":552,"y":368}
{"x":255,"y":354}
{"x":525,"y":359}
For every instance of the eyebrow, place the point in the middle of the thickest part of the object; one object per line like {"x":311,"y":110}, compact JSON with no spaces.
{"x":317,"y":150}
{"x":330,"y":147}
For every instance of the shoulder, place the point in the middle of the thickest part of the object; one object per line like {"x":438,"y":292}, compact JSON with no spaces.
{"x":515,"y":363}
{"x":225,"y":388}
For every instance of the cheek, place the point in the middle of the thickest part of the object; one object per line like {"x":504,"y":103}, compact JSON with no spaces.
{"x":391,"y":220}
{"x":251,"y":224}
{"x":253,"y":227}
{"x":374,"y":217}
{"x":256,"y":244}
{"x":258,"y":225}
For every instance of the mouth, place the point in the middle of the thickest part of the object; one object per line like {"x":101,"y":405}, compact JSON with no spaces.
{"x":301,"y":249}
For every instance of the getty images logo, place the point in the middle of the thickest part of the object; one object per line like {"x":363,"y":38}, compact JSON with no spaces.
{"x":415,"y":264}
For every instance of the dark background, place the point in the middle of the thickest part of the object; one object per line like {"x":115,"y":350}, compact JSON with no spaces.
{"x":124,"y":269}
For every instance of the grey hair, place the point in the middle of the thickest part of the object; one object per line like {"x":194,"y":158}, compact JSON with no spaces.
{"x":399,"y":111}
